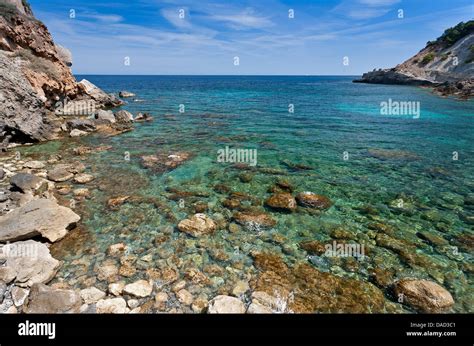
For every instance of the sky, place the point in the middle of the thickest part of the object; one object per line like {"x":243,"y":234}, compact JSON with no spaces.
{"x":245,"y":37}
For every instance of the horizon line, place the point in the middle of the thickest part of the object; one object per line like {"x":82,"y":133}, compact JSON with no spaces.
{"x":223,"y":75}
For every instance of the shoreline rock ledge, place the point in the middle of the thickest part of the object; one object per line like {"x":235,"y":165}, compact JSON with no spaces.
{"x":446,"y":64}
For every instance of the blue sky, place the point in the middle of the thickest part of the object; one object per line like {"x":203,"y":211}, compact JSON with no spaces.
{"x":157,"y":40}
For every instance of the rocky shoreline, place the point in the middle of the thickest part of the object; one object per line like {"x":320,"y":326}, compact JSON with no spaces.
{"x":445,"y":65}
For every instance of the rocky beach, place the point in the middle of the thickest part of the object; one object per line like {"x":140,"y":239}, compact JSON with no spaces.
{"x":111,"y":204}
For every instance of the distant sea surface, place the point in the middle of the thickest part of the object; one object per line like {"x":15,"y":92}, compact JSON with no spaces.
{"x":323,"y":134}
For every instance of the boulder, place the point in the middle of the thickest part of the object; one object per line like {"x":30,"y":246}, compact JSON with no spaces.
{"x":64,"y":172}
{"x":27,"y":263}
{"x":77,"y":133}
{"x":19,"y":295}
{"x":123,"y":117}
{"x":34,"y":165}
{"x":254,"y":220}
{"x":185,"y":297}
{"x":424,"y":295}
{"x":105,"y":116}
{"x":312,"y":200}
{"x":38,"y":217}
{"x":140,"y":288}
{"x":198,"y":225}
{"x":143,"y":117}
{"x":2,"y":173}
{"x":86,"y":125}
{"x":112,"y":306}
{"x":92,"y":295}
{"x":282,"y":202}
{"x":83,"y":178}
{"x":47,"y":300}
{"x":226,"y":305}
{"x":28,"y":182}
{"x":102,"y":98}
{"x":125,"y":94}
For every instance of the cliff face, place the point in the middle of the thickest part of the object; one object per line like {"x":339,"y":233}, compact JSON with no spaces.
{"x":447,"y":64}
{"x":35,"y":77}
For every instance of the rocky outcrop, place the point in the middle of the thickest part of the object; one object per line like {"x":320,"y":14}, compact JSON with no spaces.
{"x":35,"y":78}
{"x":446,"y":64}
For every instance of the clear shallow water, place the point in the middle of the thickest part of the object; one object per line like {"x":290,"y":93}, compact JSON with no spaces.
{"x":332,"y":116}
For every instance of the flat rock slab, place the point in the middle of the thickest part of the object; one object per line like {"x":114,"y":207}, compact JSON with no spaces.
{"x":27,"y":263}
{"x":28,"y":182}
{"x":46,"y":300}
{"x":37,"y":217}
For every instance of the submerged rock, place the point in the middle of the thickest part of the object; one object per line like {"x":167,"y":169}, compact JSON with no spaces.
{"x":226,"y":305}
{"x":198,"y":225}
{"x":47,"y":300}
{"x":163,"y":162}
{"x":38,"y":217}
{"x":27,"y":263}
{"x":312,"y":200}
{"x":282,"y":202}
{"x":423,"y":295}
{"x":254,"y":220}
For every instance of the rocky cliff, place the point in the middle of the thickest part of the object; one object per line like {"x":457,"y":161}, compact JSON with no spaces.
{"x":447,"y":64}
{"x":35,"y":79}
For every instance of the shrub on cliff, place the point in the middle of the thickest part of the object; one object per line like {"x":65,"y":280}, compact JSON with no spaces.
{"x":38,"y":64}
{"x":428,"y":58}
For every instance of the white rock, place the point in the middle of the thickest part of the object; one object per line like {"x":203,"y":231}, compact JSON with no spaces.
{"x":112,"y":306}
{"x":91,"y":295}
{"x":140,"y":288}
{"x":226,"y":305}
{"x":116,"y":288}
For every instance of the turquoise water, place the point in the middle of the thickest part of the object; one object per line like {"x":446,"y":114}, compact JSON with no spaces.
{"x":365,"y":162}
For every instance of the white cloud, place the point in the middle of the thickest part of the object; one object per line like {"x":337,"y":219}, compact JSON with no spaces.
{"x":379,"y":2}
{"x":173,"y":16}
{"x":243,"y":20}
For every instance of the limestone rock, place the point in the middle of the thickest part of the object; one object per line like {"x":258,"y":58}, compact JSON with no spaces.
{"x":112,"y":306}
{"x":28,"y":182}
{"x":423,"y":295}
{"x":106,"y":116}
{"x":198,"y":225}
{"x":140,"y":288}
{"x":38,"y":217}
{"x":226,"y":305}
{"x":47,"y":300}
{"x":26,"y":263}
{"x":281,"y":201}
{"x":125,"y":94}
{"x":123,"y":117}
{"x":312,"y":200}
{"x":92,"y":295}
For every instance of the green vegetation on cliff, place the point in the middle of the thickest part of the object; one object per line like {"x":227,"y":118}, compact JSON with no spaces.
{"x":452,"y":35}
